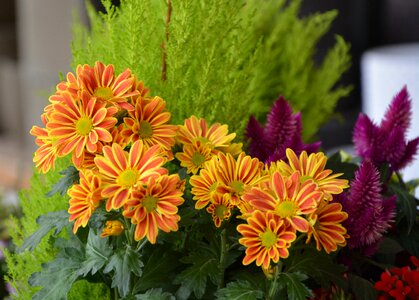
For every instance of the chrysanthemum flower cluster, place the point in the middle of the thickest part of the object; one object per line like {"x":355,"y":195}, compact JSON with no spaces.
{"x":277,"y":201}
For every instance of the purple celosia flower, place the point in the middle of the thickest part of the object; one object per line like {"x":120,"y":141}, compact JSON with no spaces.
{"x":282,"y":131}
{"x":369,"y":214}
{"x":387,"y":143}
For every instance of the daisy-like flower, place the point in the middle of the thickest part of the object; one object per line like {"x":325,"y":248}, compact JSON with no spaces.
{"x":85,"y":197}
{"x":193,"y":157}
{"x":326,"y":227}
{"x":124,"y":172}
{"x":266,"y":238}
{"x":154,"y":207}
{"x":204,"y":185}
{"x":287,"y":198}
{"x":237,"y":175}
{"x":220,"y":208}
{"x":46,"y":154}
{"x":313,"y":167}
{"x":101,"y":82}
{"x":149,"y":122}
{"x":80,"y":125}
{"x":195,"y":129}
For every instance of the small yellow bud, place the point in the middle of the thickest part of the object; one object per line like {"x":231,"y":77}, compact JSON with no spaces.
{"x":113,"y":227}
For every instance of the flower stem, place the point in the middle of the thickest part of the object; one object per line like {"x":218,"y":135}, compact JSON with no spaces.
{"x":401,"y":182}
{"x":164,"y":44}
{"x":223,"y":253}
{"x":274,"y":283}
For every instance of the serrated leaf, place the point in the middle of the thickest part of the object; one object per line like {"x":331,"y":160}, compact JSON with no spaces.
{"x":319,"y":265}
{"x":239,"y":290}
{"x":71,"y":176}
{"x":296,"y":290}
{"x":56,"y":279}
{"x":157,"y":270}
{"x":407,"y":204}
{"x":361,"y":288}
{"x":124,"y":263}
{"x":194,"y":278}
{"x":57,"y":220}
{"x":98,"y":253}
{"x":58,"y":276}
{"x":155,"y":294}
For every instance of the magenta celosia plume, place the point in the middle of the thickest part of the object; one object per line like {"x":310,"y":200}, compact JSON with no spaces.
{"x":370,"y":215}
{"x":387,"y":143}
{"x":282,"y":131}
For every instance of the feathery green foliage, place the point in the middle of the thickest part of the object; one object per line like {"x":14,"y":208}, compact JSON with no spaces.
{"x":224,"y":60}
{"x":34,"y":203}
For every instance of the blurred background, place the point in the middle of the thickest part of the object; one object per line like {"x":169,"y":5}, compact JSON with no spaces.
{"x":35,"y":39}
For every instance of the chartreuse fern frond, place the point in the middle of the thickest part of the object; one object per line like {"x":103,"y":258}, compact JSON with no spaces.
{"x":222,"y":60}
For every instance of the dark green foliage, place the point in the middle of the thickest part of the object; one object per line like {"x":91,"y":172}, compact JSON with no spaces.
{"x":407,"y":204}
{"x":224,"y":59}
{"x":155,"y":294}
{"x":71,"y":176}
{"x":361,"y":288}
{"x":239,"y":290}
{"x":57,"y":220}
{"x":122,"y":263}
{"x":293,"y":284}
{"x":98,"y":253}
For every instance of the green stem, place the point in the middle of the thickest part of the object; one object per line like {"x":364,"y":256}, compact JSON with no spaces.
{"x":223,"y":253}
{"x":141,"y":245}
{"x":274,"y":283}
{"x":115,"y":294}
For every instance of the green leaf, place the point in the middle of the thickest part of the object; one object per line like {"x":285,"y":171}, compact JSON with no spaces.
{"x":98,"y":252}
{"x":194,"y":278}
{"x":157,"y":270}
{"x":407,"y":204}
{"x":389,"y":246}
{"x":239,"y":290}
{"x":71,"y":176}
{"x":361,"y":288}
{"x":155,"y":294}
{"x":57,"y":220}
{"x":294,"y":286}
{"x":319,"y":266}
{"x":336,"y":163}
{"x":124,"y":263}
{"x":58,"y":276}
{"x":410,"y":241}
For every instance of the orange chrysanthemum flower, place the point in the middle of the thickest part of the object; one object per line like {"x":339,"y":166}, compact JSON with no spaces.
{"x":193,"y":157}
{"x":47,"y":152}
{"x":220,"y":208}
{"x":85,"y":197}
{"x":326,"y":227}
{"x":266,"y":238}
{"x":288,"y":198}
{"x":100,"y":82}
{"x":195,"y":129}
{"x":237,"y":175}
{"x":312,"y":167}
{"x":154,"y":207}
{"x":204,"y":185}
{"x":149,"y":122}
{"x":124,"y":172}
{"x":80,"y":125}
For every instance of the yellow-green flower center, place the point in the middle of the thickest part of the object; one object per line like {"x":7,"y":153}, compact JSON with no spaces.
{"x":149,"y":203}
{"x":237,"y":186}
{"x":145,"y":131}
{"x":104,"y":93}
{"x":285,"y":209}
{"x":84,"y":125}
{"x":203,"y":140}
{"x":220,"y":211}
{"x":128,"y":178}
{"x":305,"y":178}
{"x":213,"y":187}
{"x":268,"y":239}
{"x":198,"y":159}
